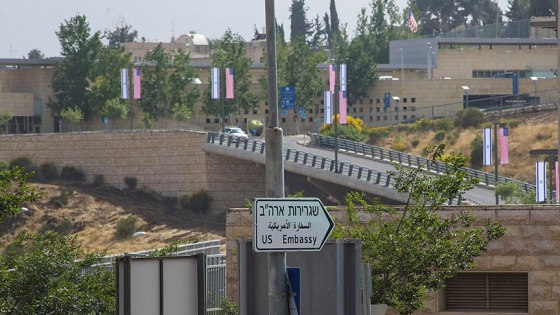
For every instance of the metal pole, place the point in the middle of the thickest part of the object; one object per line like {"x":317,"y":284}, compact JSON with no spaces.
{"x":277,"y":283}
{"x":496,"y":159}
{"x":222,"y":96}
{"x":130,"y":96}
{"x":402,"y":65}
{"x":336,"y":114}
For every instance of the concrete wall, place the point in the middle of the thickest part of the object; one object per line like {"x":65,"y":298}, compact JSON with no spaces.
{"x":168,"y":162}
{"x":531,"y":244}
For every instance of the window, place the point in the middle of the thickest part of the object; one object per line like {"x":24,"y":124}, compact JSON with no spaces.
{"x":404,"y":117}
{"x":405,"y":108}
{"x":378,"y":109}
{"x":377,"y":100}
{"x":412,"y":117}
{"x":378,"y":118}
{"x":404,"y":100}
{"x":412,"y":108}
{"x":370,"y":118}
{"x":208,"y":120}
{"x":483,"y":292}
{"x":371,"y":100}
{"x":266,"y":111}
{"x":361,"y":109}
{"x":371,"y":109}
{"x":353,"y":109}
{"x":413,"y":99}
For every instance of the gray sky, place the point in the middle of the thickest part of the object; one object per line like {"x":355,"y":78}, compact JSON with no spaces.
{"x":30,"y":24}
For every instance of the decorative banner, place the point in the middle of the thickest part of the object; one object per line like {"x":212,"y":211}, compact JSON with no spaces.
{"x":540,"y":181}
{"x":556,"y":180}
{"x":215,"y":78}
{"x":136,"y":82}
{"x":332,"y":77}
{"x":229,"y":83}
{"x":328,"y":107}
{"x":387,"y":100}
{"x":343,"y":95}
{"x":504,"y":144}
{"x":487,"y":146}
{"x":124,"y":84}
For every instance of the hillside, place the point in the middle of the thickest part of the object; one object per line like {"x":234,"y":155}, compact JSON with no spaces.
{"x":91,"y":213}
{"x":532,"y":130}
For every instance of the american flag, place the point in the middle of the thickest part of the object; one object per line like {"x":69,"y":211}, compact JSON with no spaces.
{"x":412,"y":22}
{"x":136,"y":82}
{"x":215,"y":78}
{"x":332,"y":77}
{"x":229,"y":83}
{"x":504,"y":143}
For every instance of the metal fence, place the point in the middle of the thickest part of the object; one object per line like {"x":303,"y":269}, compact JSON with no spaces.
{"x":314,"y":161}
{"x":392,"y":156}
{"x":215,"y":269}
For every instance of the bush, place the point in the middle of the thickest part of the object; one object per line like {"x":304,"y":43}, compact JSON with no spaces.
{"x":440,"y":135}
{"x":443,"y":124}
{"x":415,"y":143}
{"x":170,"y":201}
{"x":24,"y":163}
{"x":469,"y":118}
{"x":378,"y":133}
{"x":184,"y":202}
{"x":126,"y":227}
{"x":476,"y":152}
{"x":513,"y":123}
{"x":423,"y":125}
{"x":98,"y":180}
{"x":200,"y":201}
{"x":131,"y":182}
{"x":72,"y":174}
{"x":63,"y":199}
{"x":48,"y":171}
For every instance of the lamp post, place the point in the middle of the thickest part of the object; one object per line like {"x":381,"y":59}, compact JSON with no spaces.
{"x":535,"y":82}
{"x":466,"y":94}
{"x":397,"y":99}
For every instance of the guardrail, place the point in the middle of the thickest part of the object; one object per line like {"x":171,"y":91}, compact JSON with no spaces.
{"x":314,"y":161}
{"x":392,"y":156}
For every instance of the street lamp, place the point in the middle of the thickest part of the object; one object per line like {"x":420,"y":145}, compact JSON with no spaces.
{"x":466,"y":94}
{"x":535,"y":82}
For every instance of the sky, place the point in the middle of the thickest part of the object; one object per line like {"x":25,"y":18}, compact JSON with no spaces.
{"x":31,"y":24}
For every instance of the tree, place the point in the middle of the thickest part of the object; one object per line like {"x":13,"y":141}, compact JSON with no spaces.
{"x":318,"y":39}
{"x":123,"y":33}
{"x":44,"y":274}
{"x":72,"y":76}
{"x":35,"y":54}
{"x":299,"y":25}
{"x":15,"y":191}
{"x":229,"y":52}
{"x":168,"y":84}
{"x":115,"y":109}
{"x":413,"y":250}
{"x":71,"y":116}
{"x":513,"y":193}
{"x":331,"y":23}
{"x":544,"y":7}
{"x":5,"y":118}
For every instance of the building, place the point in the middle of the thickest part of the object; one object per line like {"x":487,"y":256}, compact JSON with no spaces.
{"x":430,"y":77}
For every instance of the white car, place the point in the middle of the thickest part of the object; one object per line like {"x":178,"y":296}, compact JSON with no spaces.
{"x":235,"y":132}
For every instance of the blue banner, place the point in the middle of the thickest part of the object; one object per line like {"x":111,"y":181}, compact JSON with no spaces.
{"x":288,"y":97}
{"x":387,"y":100}
{"x":515,"y":83}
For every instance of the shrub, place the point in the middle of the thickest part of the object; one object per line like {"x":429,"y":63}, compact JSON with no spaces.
{"x":200,"y":201}
{"x":4,"y":165}
{"x":64,"y":227}
{"x":184,"y":202}
{"x":469,"y":118}
{"x":170,"y":200}
{"x":443,"y":124}
{"x":440,"y":135}
{"x":48,"y":171}
{"x":476,"y":152}
{"x":131,"y":182}
{"x":378,"y":133}
{"x":24,"y":163}
{"x":126,"y":227}
{"x":98,"y":180}
{"x":513,"y":123}
{"x":63,"y":199}
{"x":423,"y":125}
{"x":415,"y":143}
{"x":72,"y":174}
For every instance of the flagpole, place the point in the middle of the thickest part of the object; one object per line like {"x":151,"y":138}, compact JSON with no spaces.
{"x":496,"y":160}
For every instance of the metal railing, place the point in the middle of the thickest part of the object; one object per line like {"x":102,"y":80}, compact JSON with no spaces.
{"x":392,"y":156}
{"x":314,"y":161}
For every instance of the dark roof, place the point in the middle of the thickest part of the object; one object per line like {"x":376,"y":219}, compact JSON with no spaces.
{"x":30,"y":62}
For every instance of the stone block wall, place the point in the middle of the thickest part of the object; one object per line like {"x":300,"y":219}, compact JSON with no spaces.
{"x":171,"y":163}
{"x":531,"y":244}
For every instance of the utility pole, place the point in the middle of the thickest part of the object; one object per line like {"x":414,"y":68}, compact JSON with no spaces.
{"x":277,"y":281}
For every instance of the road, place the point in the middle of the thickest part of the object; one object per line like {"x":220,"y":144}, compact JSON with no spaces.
{"x":480,"y":194}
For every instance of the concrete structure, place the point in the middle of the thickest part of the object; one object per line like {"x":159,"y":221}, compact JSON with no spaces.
{"x":530,"y":249}
{"x":195,"y":44}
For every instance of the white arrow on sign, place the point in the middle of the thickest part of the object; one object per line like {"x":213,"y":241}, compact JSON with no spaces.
{"x":283,"y":224}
